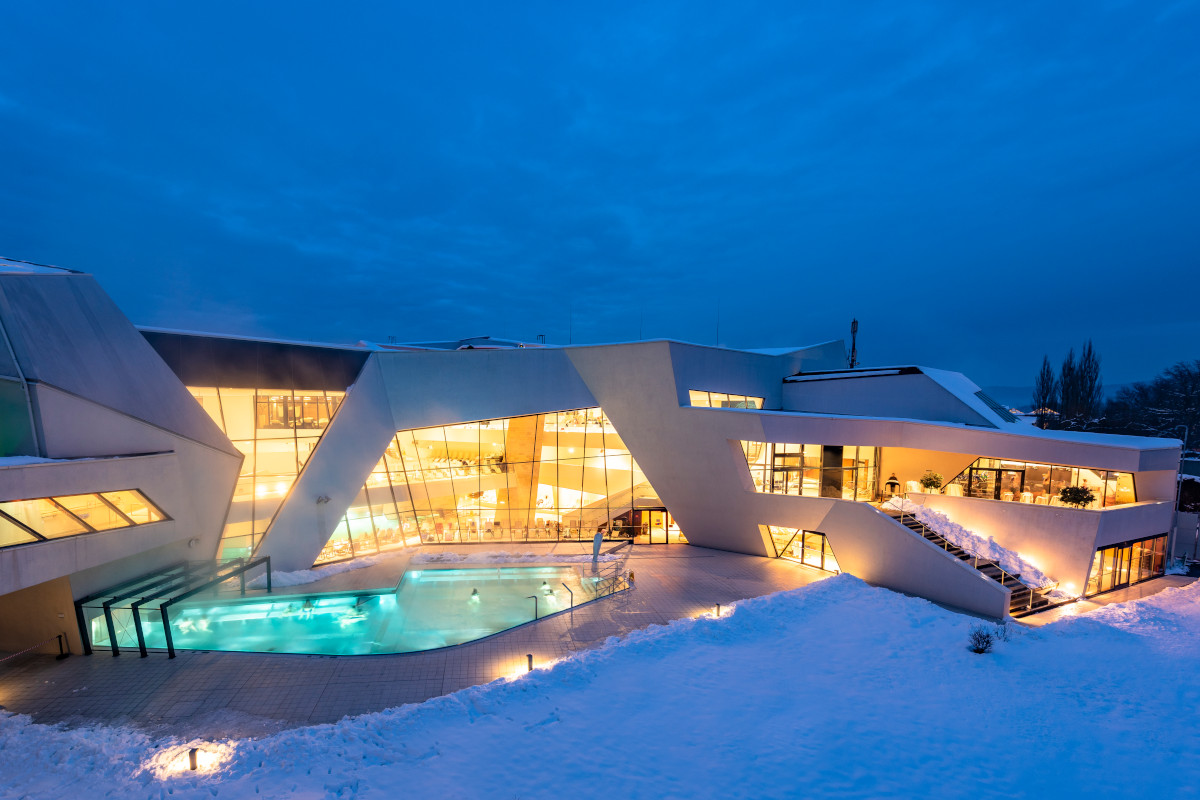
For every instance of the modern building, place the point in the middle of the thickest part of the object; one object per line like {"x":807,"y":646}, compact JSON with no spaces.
{"x":128,"y":450}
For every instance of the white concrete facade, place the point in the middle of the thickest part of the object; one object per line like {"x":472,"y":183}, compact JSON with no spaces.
{"x":114,"y":400}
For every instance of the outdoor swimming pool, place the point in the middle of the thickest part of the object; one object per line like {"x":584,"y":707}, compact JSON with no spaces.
{"x":429,"y":608}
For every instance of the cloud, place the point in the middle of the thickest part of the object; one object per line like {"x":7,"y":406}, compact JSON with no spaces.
{"x":424,"y":173}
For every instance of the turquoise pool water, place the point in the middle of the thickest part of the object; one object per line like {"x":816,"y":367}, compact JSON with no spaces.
{"x":430,"y":608}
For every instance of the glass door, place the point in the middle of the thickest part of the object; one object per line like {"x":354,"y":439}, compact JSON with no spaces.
{"x":1126,"y":564}
{"x":1011,"y":484}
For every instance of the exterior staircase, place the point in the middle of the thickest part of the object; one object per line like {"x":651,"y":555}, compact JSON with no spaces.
{"x":1025,"y":599}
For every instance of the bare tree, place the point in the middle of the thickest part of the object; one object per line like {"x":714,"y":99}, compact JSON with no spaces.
{"x":1168,"y":406}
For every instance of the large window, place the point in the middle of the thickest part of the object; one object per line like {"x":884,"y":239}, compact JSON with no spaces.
{"x":813,"y":470}
{"x":807,"y":547}
{"x":564,"y":475}
{"x":700,"y":399}
{"x":42,"y":518}
{"x":1125,"y":564}
{"x":1040,"y":484}
{"x":277,"y":430}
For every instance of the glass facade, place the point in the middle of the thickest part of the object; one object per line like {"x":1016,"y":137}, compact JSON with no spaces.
{"x":813,"y":470}
{"x":807,"y":547}
{"x":563,"y":475}
{"x":1121,"y":565}
{"x":42,"y":518}
{"x":1024,"y":482}
{"x":276,"y":430}
{"x":723,"y":400}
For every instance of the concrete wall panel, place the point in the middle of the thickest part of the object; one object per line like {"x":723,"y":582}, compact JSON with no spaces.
{"x":68,"y":333}
{"x":207,"y":475}
{"x":440,"y":388}
{"x":912,"y":396}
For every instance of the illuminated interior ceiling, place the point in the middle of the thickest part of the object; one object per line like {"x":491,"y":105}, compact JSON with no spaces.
{"x":562,"y":475}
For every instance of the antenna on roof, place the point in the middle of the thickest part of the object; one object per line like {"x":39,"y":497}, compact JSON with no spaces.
{"x":853,"y":343}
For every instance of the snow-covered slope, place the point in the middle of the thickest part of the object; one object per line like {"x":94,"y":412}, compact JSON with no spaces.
{"x":836,"y":689}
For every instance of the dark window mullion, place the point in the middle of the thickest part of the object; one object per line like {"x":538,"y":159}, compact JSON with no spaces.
{"x":23,"y":527}
{"x":128,"y":520}
{"x":72,"y":515}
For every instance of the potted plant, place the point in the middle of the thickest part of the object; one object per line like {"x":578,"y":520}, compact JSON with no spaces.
{"x":931,"y":481}
{"x":1077,"y":496}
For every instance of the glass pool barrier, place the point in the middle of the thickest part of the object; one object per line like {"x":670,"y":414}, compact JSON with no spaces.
{"x":427,"y":609}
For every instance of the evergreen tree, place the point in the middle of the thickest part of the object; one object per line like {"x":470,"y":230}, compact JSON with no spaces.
{"x":1090,"y":389}
{"x":1075,"y":399}
{"x":1045,"y":394}
{"x":1068,"y":391}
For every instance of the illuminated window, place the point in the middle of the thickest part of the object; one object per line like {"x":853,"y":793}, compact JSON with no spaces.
{"x":42,"y":518}
{"x":700,"y":399}
{"x":1041,"y":484}
{"x":11,"y":533}
{"x":1125,"y":564}
{"x":543,"y":477}
{"x":277,"y":431}
{"x":807,"y":547}
{"x":813,"y":470}
{"x":93,"y":511}
{"x":134,"y":505}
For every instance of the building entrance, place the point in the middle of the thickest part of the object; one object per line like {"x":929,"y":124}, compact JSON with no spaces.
{"x":1125,"y":564}
{"x":656,"y":526}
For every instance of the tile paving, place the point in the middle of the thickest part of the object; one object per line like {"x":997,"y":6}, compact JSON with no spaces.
{"x":225,"y":694}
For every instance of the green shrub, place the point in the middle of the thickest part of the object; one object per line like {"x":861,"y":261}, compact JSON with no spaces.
{"x":931,"y":481}
{"x":1078,"y":496}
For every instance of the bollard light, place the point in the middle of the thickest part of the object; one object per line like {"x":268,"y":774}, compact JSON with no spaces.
{"x":192,"y":759}
{"x":529,"y":656}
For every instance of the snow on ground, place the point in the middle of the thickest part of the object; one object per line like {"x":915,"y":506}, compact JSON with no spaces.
{"x":305,"y":576}
{"x":984,"y":546}
{"x":503,"y":557}
{"x":836,"y":689}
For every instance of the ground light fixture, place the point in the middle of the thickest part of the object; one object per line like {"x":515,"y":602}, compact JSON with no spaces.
{"x":193,"y":757}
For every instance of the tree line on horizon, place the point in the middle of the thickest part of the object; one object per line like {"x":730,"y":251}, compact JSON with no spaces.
{"x":1072,"y":398}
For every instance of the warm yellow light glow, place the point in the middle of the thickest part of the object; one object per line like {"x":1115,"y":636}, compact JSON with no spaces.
{"x":522,"y":669}
{"x":1070,"y":589}
{"x":173,"y":762}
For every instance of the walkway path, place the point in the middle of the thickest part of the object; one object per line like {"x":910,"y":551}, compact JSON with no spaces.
{"x":1108,"y":598}
{"x":227,"y":694}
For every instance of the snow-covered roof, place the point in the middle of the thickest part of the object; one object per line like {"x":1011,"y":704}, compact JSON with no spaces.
{"x":240,"y":338}
{"x":15,"y":266}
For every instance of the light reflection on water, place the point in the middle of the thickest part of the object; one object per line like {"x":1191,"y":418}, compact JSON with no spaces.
{"x":431,"y":608}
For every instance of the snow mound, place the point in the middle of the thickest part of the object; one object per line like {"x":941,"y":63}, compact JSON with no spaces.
{"x":502,"y":557}
{"x":836,"y":689}
{"x":303,"y":576}
{"x":985,"y":547}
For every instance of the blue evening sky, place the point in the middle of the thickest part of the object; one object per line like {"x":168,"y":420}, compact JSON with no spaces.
{"x":978,"y":183}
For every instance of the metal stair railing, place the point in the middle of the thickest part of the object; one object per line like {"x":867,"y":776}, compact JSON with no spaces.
{"x":974,"y":559}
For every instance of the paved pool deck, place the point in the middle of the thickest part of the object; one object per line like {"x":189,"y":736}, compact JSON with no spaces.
{"x":208,"y":693}
{"x":212,"y":694}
